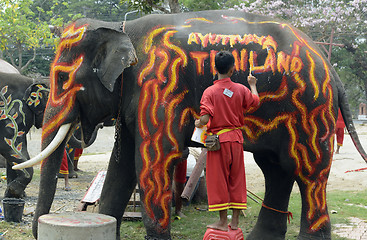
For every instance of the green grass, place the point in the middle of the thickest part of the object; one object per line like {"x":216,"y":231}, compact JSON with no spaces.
{"x":193,"y":227}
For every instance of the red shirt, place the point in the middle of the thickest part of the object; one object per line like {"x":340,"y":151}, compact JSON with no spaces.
{"x":225,"y":102}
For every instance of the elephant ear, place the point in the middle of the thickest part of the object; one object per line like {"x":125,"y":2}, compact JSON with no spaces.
{"x":36,"y":96}
{"x":113,"y":55}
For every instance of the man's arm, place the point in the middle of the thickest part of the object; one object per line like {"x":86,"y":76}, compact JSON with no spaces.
{"x":203,"y":120}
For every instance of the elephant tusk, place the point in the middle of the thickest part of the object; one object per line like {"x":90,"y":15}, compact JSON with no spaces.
{"x":60,"y":136}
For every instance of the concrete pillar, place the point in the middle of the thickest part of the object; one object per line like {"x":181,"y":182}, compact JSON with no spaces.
{"x":76,"y":226}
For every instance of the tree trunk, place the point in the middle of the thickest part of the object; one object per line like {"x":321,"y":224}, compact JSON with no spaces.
{"x":174,"y":6}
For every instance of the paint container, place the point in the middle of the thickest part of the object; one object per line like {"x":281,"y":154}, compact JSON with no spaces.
{"x":13,"y":209}
{"x":214,"y":234}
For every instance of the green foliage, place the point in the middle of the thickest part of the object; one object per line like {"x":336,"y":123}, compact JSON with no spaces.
{"x":194,"y":5}
{"x":108,"y":10}
{"x":142,"y":6}
{"x":20,"y":25}
{"x":25,"y":37}
{"x":185,"y":5}
{"x":22,"y":29}
{"x":347,"y":204}
{"x":352,"y":69}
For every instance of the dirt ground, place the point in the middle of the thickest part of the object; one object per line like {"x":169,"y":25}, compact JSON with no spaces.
{"x":96,"y":157}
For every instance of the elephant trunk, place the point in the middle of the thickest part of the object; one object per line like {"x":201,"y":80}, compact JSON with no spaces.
{"x":54,"y":144}
{"x":76,"y":143}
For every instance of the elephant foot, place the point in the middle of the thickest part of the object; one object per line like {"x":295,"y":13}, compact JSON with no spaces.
{"x":73,"y":175}
{"x":156,"y":238}
{"x":264,"y":234}
{"x":15,"y":190}
{"x":317,"y":236}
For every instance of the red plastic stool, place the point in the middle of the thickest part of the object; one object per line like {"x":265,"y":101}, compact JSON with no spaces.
{"x":214,"y":234}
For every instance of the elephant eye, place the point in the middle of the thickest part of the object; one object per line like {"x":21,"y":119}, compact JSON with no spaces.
{"x":62,"y":77}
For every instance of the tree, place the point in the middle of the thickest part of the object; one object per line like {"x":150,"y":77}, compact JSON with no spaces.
{"x":148,"y":6}
{"x":22,"y":30}
{"x":351,"y":64}
{"x":194,"y":5}
{"x":176,"y":6}
{"x":107,"y":10}
{"x":315,"y":17}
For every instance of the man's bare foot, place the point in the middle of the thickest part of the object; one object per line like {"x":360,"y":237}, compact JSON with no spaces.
{"x":219,"y":226}
{"x":233,"y":226}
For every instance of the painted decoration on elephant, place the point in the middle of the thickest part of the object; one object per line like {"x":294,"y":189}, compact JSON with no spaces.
{"x":9,"y":109}
{"x":159,"y":81}
{"x":36,"y":96}
{"x":65,"y":99}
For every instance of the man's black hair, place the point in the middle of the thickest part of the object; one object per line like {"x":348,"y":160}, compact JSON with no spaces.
{"x":224,"y":60}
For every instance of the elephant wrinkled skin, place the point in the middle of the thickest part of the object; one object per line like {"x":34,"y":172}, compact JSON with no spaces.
{"x":157,"y":100}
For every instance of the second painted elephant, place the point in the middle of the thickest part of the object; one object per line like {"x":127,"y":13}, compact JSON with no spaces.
{"x":156,"y":101}
{"x":22,"y":103}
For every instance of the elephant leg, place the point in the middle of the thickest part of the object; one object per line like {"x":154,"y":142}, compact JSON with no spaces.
{"x":272,"y":219}
{"x":315,"y":221}
{"x":155,"y":184}
{"x":17,"y":179}
{"x":120,"y":180}
{"x":156,"y":211}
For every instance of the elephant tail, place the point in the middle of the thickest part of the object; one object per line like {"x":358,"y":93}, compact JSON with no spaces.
{"x":347,"y":116}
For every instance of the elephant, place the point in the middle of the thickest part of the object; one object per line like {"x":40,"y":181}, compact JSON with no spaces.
{"x":149,"y":74}
{"x":22,"y":103}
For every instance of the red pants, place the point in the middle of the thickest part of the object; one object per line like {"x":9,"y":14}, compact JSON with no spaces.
{"x":180,"y":171}
{"x":64,"y":164}
{"x":78,"y":152}
{"x":225,"y":177}
{"x":339,"y":136}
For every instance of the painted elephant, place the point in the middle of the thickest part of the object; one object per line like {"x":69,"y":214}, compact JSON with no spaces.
{"x":22,"y":103}
{"x":156,"y":101}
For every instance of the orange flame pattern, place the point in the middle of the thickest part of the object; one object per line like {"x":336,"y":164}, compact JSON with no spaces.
{"x":66,"y":99}
{"x":158,"y":80}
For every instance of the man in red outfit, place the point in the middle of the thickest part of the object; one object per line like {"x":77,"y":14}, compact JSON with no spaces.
{"x":64,"y":170}
{"x":339,"y":131}
{"x":222,"y":107}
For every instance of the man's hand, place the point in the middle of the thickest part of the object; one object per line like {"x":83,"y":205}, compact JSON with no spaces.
{"x":202,"y":121}
{"x":198,"y":123}
{"x":251,"y":80}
